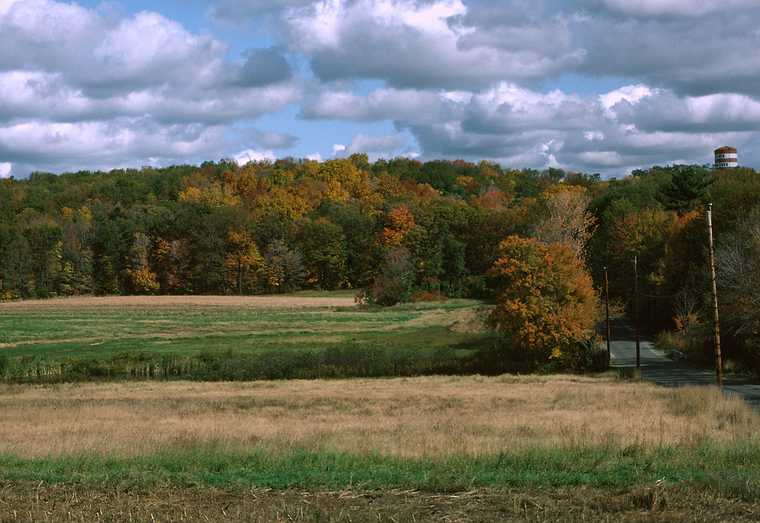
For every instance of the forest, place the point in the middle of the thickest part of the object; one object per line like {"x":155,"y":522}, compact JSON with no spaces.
{"x":401,"y":230}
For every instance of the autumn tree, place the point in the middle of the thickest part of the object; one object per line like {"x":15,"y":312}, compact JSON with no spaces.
{"x":546,"y":304}
{"x":283,"y":268}
{"x":142,"y":279}
{"x":324,"y":251}
{"x":244,"y":263}
{"x":399,"y":222}
{"x":565,"y":217}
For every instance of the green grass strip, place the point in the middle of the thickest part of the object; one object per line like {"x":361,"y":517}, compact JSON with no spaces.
{"x":595,"y":467}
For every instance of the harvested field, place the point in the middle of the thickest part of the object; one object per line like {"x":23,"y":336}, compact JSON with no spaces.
{"x":263,"y":302}
{"x":36,"y":502}
{"x":234,"y":338}
{"x":431,"y":417}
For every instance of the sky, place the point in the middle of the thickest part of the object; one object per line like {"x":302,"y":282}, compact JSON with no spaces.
{"x":600,"y":86}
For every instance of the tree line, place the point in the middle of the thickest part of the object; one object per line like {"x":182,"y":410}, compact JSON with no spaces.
{"x":397,"y":230}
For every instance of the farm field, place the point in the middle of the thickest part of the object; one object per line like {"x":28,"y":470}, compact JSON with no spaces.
{"x":127,"y":408}
{"x":307,"y":335}
{"x":409,"y":448}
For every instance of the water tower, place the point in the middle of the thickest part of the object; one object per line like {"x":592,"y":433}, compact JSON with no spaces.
{"x":726,"y":158}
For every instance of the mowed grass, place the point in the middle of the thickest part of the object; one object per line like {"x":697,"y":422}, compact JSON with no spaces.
{"x":436,"y":434}
{"x":171,"y":333}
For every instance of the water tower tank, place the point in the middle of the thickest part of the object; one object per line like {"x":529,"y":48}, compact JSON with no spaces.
{"x":726,"y":158}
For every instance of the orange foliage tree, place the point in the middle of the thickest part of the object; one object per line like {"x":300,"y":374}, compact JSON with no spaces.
{"x":399,"y":222}
{"x":546,"y":306}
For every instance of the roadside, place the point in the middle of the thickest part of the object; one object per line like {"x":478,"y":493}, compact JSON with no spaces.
{"x":656,"y":367}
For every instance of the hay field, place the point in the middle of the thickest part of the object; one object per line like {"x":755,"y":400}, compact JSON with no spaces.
{"x":114,"y":302}
{"x":308,"y":335}
{"x":431,"y":417}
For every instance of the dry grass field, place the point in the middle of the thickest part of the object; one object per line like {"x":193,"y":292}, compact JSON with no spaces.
{"x":117,"y":302}
{"x":429,"y":417}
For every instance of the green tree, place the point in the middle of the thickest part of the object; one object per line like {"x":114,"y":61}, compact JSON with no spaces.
{"x":687,"y":189}
{"x":324,"y":251}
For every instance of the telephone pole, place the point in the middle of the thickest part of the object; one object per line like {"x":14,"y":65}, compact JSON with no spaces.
{"x":636,"y":309}
{"x":607,"y":307}
{"x":716,"y":317}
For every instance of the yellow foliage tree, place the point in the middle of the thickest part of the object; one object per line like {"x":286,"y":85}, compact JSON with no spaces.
{"x":243,"y":262}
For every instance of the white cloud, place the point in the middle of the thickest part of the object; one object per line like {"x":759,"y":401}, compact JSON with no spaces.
{"x":610,"y":133}
{"x":338,"y":148}
{"x":251,"y":155}
{"x":628,"y":93}
{"x":58,"y":146}
{"x":413,"y":43}
{"x":105,"y":89}
{"x":5,"y":170}
{"x":5,"y":5}
{"x":602,"y":158}
{"x":690,"y":8}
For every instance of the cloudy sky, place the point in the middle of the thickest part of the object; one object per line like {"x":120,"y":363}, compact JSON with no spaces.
{"x":595,"y":85}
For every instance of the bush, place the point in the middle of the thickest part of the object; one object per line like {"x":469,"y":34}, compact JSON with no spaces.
{"x":427,"y":296}
{"x":394,"y":282}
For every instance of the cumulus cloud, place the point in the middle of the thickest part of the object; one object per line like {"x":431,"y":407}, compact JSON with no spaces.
{"x":5,"y":167}
{"x":92,"y":88}
{"x":617,"y":130}
{"x":380,"y":104}
{"x":375,"y":146}
{"x":689,"y":8}
{"x":251,"y":155}
{"x":263,"y":67}
{"x":416,"y":43}
{"x":58,"y":146}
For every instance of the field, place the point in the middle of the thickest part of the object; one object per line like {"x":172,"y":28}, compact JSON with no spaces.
{"x":233,"y":338}
{"x":469,"y":448}
{"x":97,"y":441}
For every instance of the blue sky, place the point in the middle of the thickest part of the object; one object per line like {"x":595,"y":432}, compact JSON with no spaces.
{"x":593,"y":85}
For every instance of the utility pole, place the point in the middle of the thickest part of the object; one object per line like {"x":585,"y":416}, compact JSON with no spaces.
{"x":636,"y":309}
{"x":716,"y":317}
{"x":607,"y":307}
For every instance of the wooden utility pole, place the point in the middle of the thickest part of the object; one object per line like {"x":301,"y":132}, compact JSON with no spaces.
{"x":716,"y":317}
{"x":636,"y":309}
{"x":607,"y":307}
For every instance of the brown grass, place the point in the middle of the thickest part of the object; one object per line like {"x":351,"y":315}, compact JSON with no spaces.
{"x":404,"y":417}
{"x":267,"y":302}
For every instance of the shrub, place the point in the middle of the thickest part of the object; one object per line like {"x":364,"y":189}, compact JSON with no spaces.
{"x":394,"y":282}
{"x":427,"y":296}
